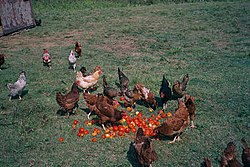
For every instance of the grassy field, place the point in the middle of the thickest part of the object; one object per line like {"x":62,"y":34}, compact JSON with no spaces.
{"x":209,"y":40}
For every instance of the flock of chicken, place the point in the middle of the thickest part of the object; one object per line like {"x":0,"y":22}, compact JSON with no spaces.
{"x":105,"y":106}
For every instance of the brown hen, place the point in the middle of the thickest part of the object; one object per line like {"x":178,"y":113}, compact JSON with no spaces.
{"x":189,"y":102}
{"x":69,"y":101}
{"x":144,"y":149}
{"x":228,"y":159}
{"x":147,"y":95}
{"x":176,"y":124}
{"x":107,"y":112}
{"x":78,"y":49}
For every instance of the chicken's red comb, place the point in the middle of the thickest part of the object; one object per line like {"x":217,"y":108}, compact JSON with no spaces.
{"x":45,"y":51}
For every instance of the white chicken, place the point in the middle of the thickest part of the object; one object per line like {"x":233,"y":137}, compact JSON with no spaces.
{"x":17,"y":88}
{"x":72,"y":60}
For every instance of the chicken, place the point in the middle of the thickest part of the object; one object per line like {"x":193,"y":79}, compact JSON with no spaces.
{"x":207,"y":162}
{"x":228,"y":159}
{"x":78,"y":49}
{"x":69,"y":101}
{"x":109,"y":91}
{"x":144,"y":149}
{"x":107,"y":112}
{"x":147,"y":95}
{"x":176,"y":124}
{"x":88,"y":81}
{"x":245,"y":153}
{"x":72,"y":60}
{"x":130,"y":97}
{"x":189,"y":102}
{"x":165,"y":92}
{"x":46,"y":58}
{"x":17,"y":88}
{"x":90,"y":100}
{"x":84,"y":71}
{"x":184,"y":82}
{"x":123,"y":81}
{"x":1,"y":60}
{"x":179,"y":88}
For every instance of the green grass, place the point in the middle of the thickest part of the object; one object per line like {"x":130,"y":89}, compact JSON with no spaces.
{"x":207,"y":40}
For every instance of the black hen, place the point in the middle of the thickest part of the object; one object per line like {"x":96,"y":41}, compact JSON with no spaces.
{"x":109,"y":91}
{"x":84,"y":71}
{"x":144,"y":149}
{"x":123,"y":80}
{"x":165,"y":92}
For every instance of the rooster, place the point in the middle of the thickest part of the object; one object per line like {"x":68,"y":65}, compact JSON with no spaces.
{"x":245,"y":153}
{"x":88,"y":81}
{"x":69,"y":101}
{"x":17,"y":88}
{"x":78,"y":49}
{"x":1,"y":60}
{"x":165,"y":92}
{"x":144,"y":149}
{"x":147,"y":95}
{"x":46,"y":58}
{"x":176,"y":124}
{"x":123,"y":81}
{"x":109,"y":91}
{"x":189,"y":102}
{"x":72,"y":60}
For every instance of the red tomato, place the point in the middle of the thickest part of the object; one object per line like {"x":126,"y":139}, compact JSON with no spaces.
{"x":61,"y":139}
{"x":121,"y":128}
{"x":81,"y":130}
{"x":115,"y":128}
{"x":139,"y":114}
{"x":96,"y":129}
{"x":120,"y":133}
{"x":127,"y":130}
{"x":76,"y":122}
{"x":86,"y":132}
{"x":122,"y":98}
{"x":134,"y":130}
{"x":163,"y":115}
{"x":103,"y":136}
{"x":79,"y":134}
{"x":94,"y":140}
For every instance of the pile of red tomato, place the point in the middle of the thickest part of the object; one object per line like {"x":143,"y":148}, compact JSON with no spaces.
{"x":127,"y":125}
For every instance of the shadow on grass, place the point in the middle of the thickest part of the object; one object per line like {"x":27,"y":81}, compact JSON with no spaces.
{"x":23,"y":94}
{"x":131,"y":155}
{"x":3,"y":68}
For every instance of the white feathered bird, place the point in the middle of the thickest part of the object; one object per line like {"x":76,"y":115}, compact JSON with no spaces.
{"x":72,"y":60}
{"x":17,"y":88}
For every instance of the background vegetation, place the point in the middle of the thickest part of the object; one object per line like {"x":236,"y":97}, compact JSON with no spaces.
{"x":208,"y":40}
